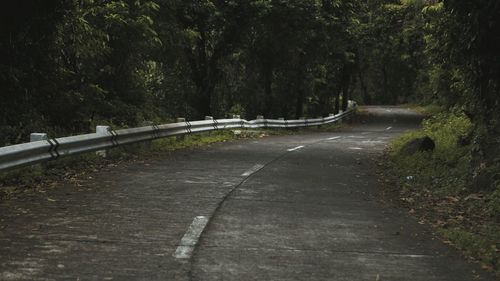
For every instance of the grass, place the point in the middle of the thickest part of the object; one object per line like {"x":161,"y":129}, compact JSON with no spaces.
{"x":434,"y":185}
{"x":445,"y":169}
{"x":428,"y":110}
{"x":42,"y":176}
{"x":475,"y":244}
{"x":49,"y":174}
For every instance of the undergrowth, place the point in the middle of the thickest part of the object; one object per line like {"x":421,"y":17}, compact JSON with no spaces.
{"x":434,"y":185}
{"x":49,"y":174}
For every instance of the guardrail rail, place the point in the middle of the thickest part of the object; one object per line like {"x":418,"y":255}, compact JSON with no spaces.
{"x":31,"y":153}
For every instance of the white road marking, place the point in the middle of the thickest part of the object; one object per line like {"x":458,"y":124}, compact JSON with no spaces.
{"x":296,"y":148}
{"x":410,"y":256}
{"x":252,"y":170}
{"x":334,"y":138}
{"x":372,"y":141}
{"x":388,"y":128}
{"x":190,"y":238}
{"x":355,"y":148}
{"x":199,"y":182}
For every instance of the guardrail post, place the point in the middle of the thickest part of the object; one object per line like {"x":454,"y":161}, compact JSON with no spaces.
{"x":322,"y":122}
{"x":209,"y":118}
{"x":38,"y":137}
{"x":331,"y":115}
{"x":180,"y":120}
{"x":102,"y":130}
{"x":261,"y":117}
{"x":38,"y":168}
{"x":235,"y":116}
{"x":146,"y":144}
{"x":281,"y":118}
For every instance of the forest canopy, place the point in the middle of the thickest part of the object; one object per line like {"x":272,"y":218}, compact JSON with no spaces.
{"x":67,"y":65}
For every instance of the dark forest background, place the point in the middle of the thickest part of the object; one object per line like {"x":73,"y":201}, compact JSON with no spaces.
{"x":68,"y":65}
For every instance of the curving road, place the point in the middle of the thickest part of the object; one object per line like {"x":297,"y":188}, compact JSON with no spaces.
{"x":298,"y":207}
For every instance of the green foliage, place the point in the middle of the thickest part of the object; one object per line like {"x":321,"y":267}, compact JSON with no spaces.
{"x":493,"y":205}
{"x":437,"y":184}
{"x":483,"y":246}
{"x":68,"y":65}
{"x":443,"y":171}
{"x":391,"y":53}
{"x":191,"y":141}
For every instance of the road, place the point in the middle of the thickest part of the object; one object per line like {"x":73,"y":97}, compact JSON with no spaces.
{"x":295,"y":207}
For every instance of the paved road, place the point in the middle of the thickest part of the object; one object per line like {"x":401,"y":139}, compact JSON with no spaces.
{"x":295,"y":207}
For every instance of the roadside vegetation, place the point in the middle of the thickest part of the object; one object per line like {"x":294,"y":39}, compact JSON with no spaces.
{"x":67,"y":66}
{"x":48,"y":175}
{"x":435,"y":187}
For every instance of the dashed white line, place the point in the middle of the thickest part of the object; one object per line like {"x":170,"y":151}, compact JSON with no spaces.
{"x":410,"y":256}
{"x":355,"y":148}
{"x":252,"y":170}
{"x":296,"y":148}
{"x":334,"y":138}
{"x":388,"y":128}
{"x":190,"y":238}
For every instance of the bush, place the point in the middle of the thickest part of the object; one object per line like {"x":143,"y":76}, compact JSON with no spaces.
{"x":436,"y":186}
{"x":446,"y":168}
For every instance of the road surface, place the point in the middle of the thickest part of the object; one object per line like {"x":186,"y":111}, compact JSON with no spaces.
{"x":295,"y":207}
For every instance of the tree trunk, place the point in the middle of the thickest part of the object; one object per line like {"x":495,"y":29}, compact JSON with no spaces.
{"x":364,"y":90}
{"x":385,"y":87}
{"x":344,"y":85}
{"x":486,"y":153}
{"x":268,"y":82}
{"x":299,"y":106}
{"x":337,"y":101}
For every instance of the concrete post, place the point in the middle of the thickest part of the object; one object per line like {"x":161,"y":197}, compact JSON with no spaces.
{"x":38,"y":168}
{"x":146,"y":144}
{"x":102,"y":130}
{"x":180,"y":120}
{"x":209,"y":118}
{"x":38,"y":137}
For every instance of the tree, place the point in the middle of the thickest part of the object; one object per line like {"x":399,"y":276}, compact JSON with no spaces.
{"x":212,"y":30}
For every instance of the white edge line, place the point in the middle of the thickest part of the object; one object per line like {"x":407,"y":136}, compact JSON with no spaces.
{"x":190,"y":238}
{"x":334,"y":138}
{"x":296,"y":148}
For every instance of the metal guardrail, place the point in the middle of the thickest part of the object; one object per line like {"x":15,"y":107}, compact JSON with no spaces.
{"x":26,"y":154}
